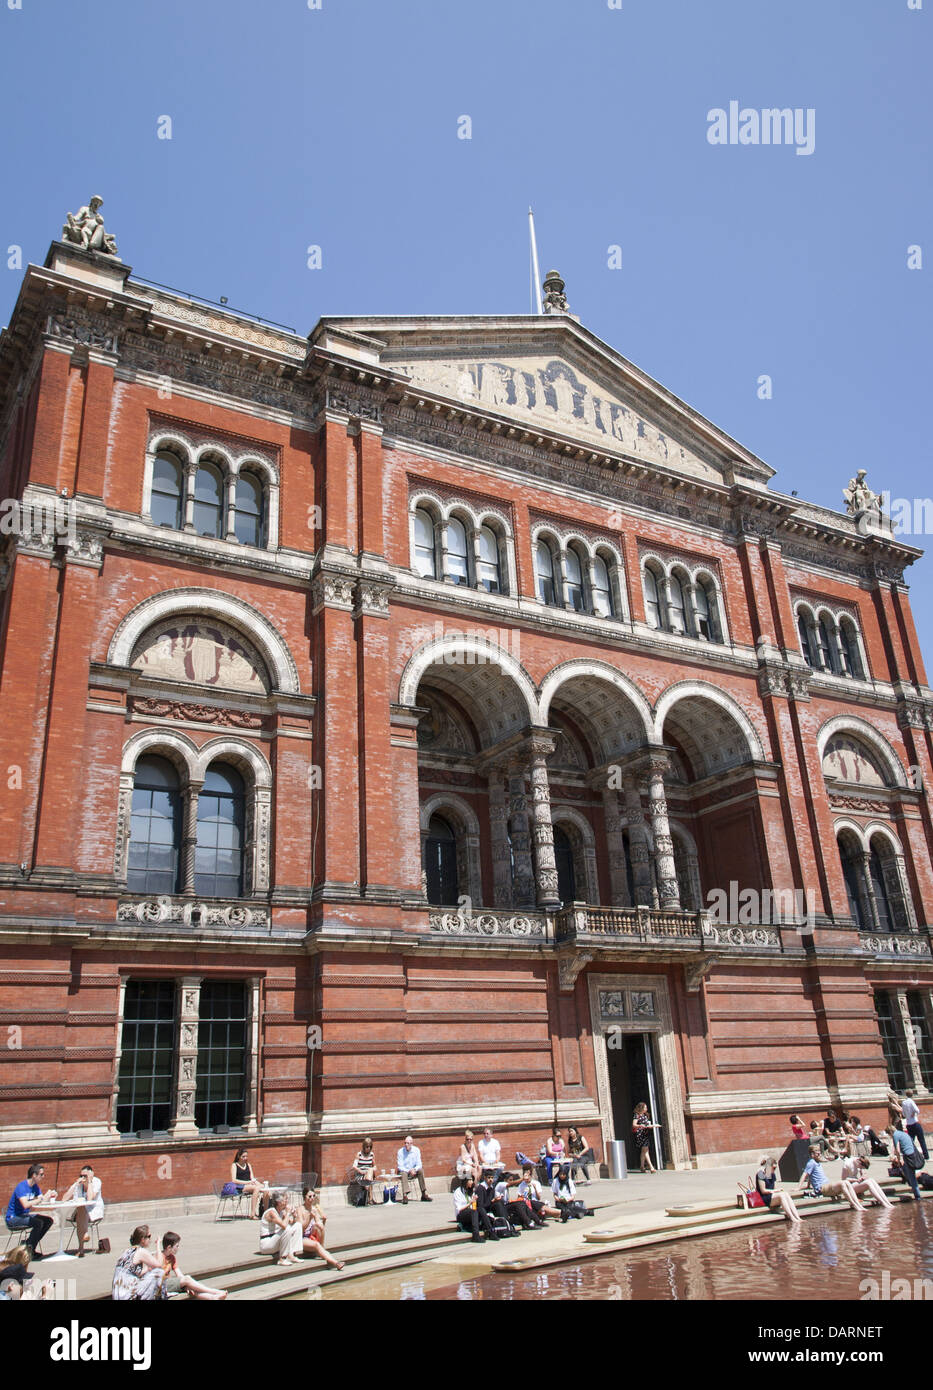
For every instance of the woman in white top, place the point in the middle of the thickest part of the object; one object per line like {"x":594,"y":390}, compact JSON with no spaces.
{"x":468,"y":1160}
{"x":280,"y":1231}
{"x":87,"y":1188}
{"x":853,"y":1171}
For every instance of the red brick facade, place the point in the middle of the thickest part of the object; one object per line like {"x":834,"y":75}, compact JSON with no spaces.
{"x":584,"y":779}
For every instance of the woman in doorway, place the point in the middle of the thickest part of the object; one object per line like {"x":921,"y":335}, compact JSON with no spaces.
{"x":641,"y":1132}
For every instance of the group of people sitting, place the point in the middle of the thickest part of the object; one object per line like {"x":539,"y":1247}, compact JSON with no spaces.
{"x":844,"y":1137}
{"x":488,"y":1209}
{"x":473,"y":1160}
{"x":28,"y":1204}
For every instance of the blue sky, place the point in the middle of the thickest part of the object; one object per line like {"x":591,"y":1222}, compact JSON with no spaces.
{"x":338,"y":127}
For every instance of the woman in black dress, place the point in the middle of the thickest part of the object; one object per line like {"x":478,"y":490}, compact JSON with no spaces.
{"x":641,"y":1132}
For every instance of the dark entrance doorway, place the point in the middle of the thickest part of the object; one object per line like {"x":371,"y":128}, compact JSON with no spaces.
{"x":440,"y":863}
{"x":563,"y":855}
{"x":632,"y":1078}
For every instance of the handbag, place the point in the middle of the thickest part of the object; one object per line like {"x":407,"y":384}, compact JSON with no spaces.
{"x":103,"y":1245}
{"x":749,"y":1196}
{"x":914,"y":1160}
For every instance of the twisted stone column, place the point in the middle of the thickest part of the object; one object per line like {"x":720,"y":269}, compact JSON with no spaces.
{"x":499,"y":838}
{"x":638,"y":845}
{"x":869,"y":906}
{"x":523,"y":881}
{"x":668,"y":890}
{"x":545,"y":862}
{"x":189,"y":842}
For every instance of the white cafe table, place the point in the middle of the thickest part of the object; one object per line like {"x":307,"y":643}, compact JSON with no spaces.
{"x":59,"y":1208}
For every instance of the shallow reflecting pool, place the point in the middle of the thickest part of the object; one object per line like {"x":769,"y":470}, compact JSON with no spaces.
{"x":824,"y":1257}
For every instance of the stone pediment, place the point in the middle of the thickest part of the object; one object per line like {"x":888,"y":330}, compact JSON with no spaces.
{"x":553,"y":374}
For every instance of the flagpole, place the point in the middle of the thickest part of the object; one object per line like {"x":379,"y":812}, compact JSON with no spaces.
{"x":534,"y":259}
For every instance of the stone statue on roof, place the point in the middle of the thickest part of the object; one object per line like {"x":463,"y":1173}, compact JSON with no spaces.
{"x":859,"y":497}
{"x":555,"y":301}
{"x":86,"y":228}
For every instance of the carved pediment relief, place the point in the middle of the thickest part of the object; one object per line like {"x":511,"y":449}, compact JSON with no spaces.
{"x":561,"y":397}
{"x":203,"y":651}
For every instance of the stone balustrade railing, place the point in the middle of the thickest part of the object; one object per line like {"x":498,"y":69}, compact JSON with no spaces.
{"x":895,"y":943}
{"x":634,"y":923}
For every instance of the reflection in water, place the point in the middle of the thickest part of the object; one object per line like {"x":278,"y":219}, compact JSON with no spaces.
{"x":823,"y":1257}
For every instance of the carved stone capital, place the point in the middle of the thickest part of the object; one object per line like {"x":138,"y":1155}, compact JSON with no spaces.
{"x":569,"y":967}
{"x":332,"y":591}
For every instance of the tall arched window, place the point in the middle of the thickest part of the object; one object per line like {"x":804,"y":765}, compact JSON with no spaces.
{"x":247,"y":510}
{"x":709,"y":628}
{"x":544,"y":573}
{"x":165,"y":505}
{"x":208,"y":501}
{"x":488,"y":574}
{"x":575,"y":581}
{"x":440,"y":864}
{"x":678,"y":607}
{"x":155,"y":828}
{"x":425,"y":552}
{"x":849,"y":855}
{"x":826,"y":638}
{"x":602,"y":589}
{"x":806,"y":638}
{"x":652,"y":599}
{"x":851,"y":656}
{"x":458,"y":566}
{"x":218,"y":862}
{"x":566,"y":876}
{"x":879,"y":888}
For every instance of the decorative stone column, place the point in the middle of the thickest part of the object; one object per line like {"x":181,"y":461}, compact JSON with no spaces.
{"x":230,"y":483}
{"x":668,"y":891}
{"x":189,"y":841}
{"x":903,"y":882}
{"x":523,"y":881}
{"x":251,"y":1112}
{"x":638,"y":845}
{"x":869,"y":906}
{"x":124,"y":826}
{"x":499,"y":839}
{"x":187,"y":1010}
{"x":910,"y":1042}
{"x":190,"y":474}
{"x":615,"y":849}
{"x":545,"y":862}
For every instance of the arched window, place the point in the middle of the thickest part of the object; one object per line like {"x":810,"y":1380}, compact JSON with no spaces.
{"x":849,"y":855}
{"x":879,"y":888}
{"x":806,"y":638}
{"x":678,"y":608}
{"x":488,"y":575}
{"x":155,"y":828}
{"x":425,"y":552}
{"x":827,"y":645}
{"x":566,"y":876}
{"x":602,"y":589}
{"x":575,"y":581}
{"x":709,"y":628}
{"x":851,"y":656}
{"x":208,"y":501}
{"x":218,"y":861}
{"x":544,"y":573}
{"x":652,"y":599}
{"x":247,"y":510}
{"x":457,"y":563}
{"x":165,"y":505}
{"x":440,"y":864}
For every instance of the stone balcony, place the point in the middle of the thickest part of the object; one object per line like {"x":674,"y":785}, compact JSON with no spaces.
{"x":608,"y":928}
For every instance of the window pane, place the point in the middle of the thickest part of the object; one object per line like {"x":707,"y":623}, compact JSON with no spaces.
{"x":488,"y":576}
{"x":652,"y":600}
{"x":602,"y":593}
{"x":218,"y":860}
{"x":208,"y":495}
{"x":678,"y":609}
{"x":155,"y":828}
{"x":247,"y":516}
{"x":165,"y":504}
{"x":147,"y":1056}
{"x":222,"y":1040}
{"x":457,"y":552}
{"x":425,"y":552}
{"x":890,"y":1041}
{"x":544,"y":571}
